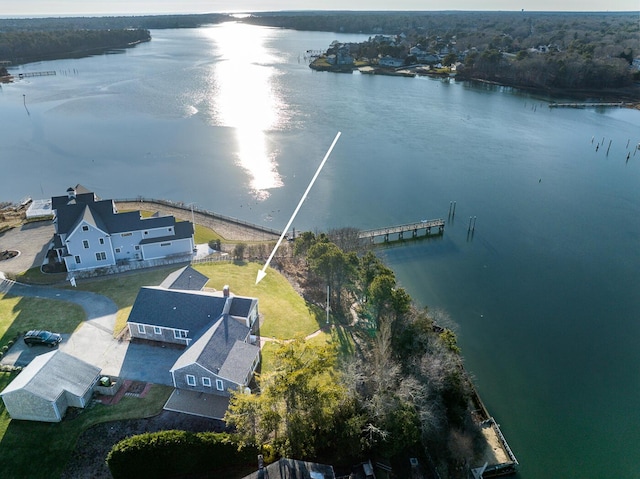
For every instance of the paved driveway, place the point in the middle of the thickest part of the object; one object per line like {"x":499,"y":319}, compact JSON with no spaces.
{"x":31,"y":241}
{"x":93,"y":341}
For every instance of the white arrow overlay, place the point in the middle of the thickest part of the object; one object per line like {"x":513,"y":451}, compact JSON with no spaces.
{"x":262,"y":273}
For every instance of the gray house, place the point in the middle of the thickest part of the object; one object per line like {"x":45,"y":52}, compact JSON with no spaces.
{"x":220,"y":360}
{"x":50,"y":384}
{"x":182,"y":316}
{"x":90,"y":233}
{"x":214,"y":327}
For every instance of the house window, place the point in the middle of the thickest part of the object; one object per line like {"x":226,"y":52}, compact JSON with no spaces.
{"x":165,"y":244}
{"x":125,"y":234}
{"x":157,"y":329}
{"x":117,"y":250}
{"x":141,"y":329}
{"x":179,"y":334}
{"x":191,"y":380}
{"x":101,"y":240}
{"x":219,"y":385}
{"x":170,"y":229}
{"x":77,"y":259}
{"x":101,"y":256}
{"x":85,"y":244}
{"x":85,"y":228}
{"x":137,"y":247}
{"x":206,"y":382}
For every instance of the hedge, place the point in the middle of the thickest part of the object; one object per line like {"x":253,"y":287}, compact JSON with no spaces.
{"x":168,"y":454}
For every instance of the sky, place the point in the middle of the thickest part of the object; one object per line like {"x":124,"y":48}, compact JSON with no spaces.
{"x":133,"y":7}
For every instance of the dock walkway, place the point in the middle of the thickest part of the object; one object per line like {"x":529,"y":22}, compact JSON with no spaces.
{"x":618,"y":104}
{"x":400,"y":230}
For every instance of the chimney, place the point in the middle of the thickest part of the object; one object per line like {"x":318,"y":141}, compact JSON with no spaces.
{"x":71,"y":193}
{"x":225,"y":291}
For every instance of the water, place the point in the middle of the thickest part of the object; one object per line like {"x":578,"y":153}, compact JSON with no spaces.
{"x":543,"y":295}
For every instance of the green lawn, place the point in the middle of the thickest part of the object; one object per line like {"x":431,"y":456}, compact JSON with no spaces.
{"x":19,"y":314}
{"x":36,"y":450}
{"x":286,"y":315}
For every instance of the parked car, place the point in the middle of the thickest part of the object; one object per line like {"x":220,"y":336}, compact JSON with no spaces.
{"x":40,"y":337}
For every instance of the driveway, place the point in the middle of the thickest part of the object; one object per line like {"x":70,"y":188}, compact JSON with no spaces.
{"x":93,"y":341}
{"x":31,"y":240}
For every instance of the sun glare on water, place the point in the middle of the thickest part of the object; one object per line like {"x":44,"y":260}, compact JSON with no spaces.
{"x":247,"y":101}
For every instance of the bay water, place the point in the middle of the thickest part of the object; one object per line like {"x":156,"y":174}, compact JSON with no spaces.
{"x":543,"y":293}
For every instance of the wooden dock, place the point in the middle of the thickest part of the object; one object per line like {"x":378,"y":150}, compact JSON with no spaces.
{"x":399,"y":231}
{"x":618,"y":104}
{"x":36,"y":74}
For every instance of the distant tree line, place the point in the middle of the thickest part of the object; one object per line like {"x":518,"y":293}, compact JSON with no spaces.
{"x":23,"y":47}
{"x":558,"y":70}
{"x":574,"y":51}
{"x":24,"y":40}
{"x":148,"y":22}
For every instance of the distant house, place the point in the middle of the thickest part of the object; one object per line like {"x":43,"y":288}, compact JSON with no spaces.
{"x":390,"y":62}
{"x":50,"y":384}
{"x":215,"y":328}
{"x":90,"y":233}
{"x":422,"y":56}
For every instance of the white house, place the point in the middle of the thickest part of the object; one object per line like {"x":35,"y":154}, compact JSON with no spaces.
{"x":90,"y":233}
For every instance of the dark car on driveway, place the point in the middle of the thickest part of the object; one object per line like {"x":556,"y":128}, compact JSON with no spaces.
{"x":40,"y":337}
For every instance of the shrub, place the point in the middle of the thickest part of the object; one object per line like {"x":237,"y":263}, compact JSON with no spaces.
{"x":171,"y":453}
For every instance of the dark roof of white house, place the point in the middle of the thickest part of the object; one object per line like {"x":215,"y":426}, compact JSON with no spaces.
{"x":102,"y":214}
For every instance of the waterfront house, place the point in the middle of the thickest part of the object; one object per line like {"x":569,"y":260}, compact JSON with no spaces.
{"x":90,"y":233}
{"x":215,"y":328}
{"x":390,"y":62}
{"x":50,"y":384}
{"x":221,"y":360}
